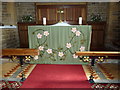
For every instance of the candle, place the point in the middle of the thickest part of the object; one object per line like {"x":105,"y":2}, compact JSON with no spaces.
{"x":44,"y":20}
{"x":80,"y":20}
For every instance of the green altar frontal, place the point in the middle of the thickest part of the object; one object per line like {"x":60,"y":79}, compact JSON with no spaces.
{"x":58,"y":44}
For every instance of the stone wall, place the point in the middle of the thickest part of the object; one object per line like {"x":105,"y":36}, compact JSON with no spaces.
{"x":97,"y":8}
{"x":10,"y":38}
{"x":25,"y":8}
{"x":112,"y":41}
{"x":9,"y":13}
{"x":0,"y":23}
{"x":5,"y":14}
{"x":29,"y":9}
{"x":0,"y":12}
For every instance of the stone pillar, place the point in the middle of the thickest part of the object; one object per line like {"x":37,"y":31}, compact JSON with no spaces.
{"x":9,"y":37}
{"x":11,"y":10}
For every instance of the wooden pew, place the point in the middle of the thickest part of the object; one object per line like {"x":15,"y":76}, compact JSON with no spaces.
{"x":93,"y":54}
{"x":21,"y":53}
{"x":97,"y":53}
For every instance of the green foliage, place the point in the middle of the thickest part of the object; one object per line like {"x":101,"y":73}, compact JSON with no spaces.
{"x":96,"y":17}
{"x":27,"y":18}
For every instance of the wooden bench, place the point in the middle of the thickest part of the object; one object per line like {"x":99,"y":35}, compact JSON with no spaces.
{"x":94,"y":54}
{"x":97,"y":53}
{"x":20,"y":52}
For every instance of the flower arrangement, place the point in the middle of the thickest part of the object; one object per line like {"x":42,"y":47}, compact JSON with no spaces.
{"x":96,"y":17}
{"x":27,"y":18}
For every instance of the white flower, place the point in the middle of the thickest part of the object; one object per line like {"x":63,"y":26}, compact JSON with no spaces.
{"x":35,"y":57}
{"x":82,"y":48}
{"x":60,"y":54}
{"x":46,"y":33}
{"x":77,"y":33}
{"x":41,"y":48}
{"x":68,"y":45}
{"x":75,"y":56}
{"x":74,"y":30}
{"x":39,"y":35}
{"x":49,"y":51}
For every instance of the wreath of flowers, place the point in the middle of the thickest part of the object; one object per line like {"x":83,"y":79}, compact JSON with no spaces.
{"x":43,"y":46}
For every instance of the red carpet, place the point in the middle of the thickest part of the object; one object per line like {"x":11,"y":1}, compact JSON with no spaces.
{"x":57,"y":76}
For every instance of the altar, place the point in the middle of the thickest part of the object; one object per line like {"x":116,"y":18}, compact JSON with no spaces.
{"x":58,"y":44}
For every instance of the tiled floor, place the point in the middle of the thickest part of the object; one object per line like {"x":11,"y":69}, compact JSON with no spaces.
{"x":12,"y":70}
{"x":107,"y":72}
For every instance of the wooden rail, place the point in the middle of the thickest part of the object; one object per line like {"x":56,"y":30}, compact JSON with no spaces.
{"x":93,"y":55}
{"x":19,"y":52}
{"x":97,"y":53}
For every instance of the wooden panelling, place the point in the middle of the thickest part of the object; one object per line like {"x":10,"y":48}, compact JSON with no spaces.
{"x":98,"y":34}
{"x":23,"y":34}
{"x":71,"y":13}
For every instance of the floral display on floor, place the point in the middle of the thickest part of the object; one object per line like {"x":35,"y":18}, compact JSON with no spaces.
{"x":110,"y":86}
{"x":10,"y":84}
{"x":15,"y":85}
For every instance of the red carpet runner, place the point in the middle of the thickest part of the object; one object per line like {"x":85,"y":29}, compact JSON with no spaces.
{"x":57,"y":76}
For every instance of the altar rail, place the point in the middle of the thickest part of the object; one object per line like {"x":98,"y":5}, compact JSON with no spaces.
{"x":97,"y":53}
{"x":19,"y":52}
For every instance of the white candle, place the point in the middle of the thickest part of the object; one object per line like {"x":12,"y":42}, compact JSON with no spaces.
{"x":44,"y":20}
{"x":80,"y":20}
